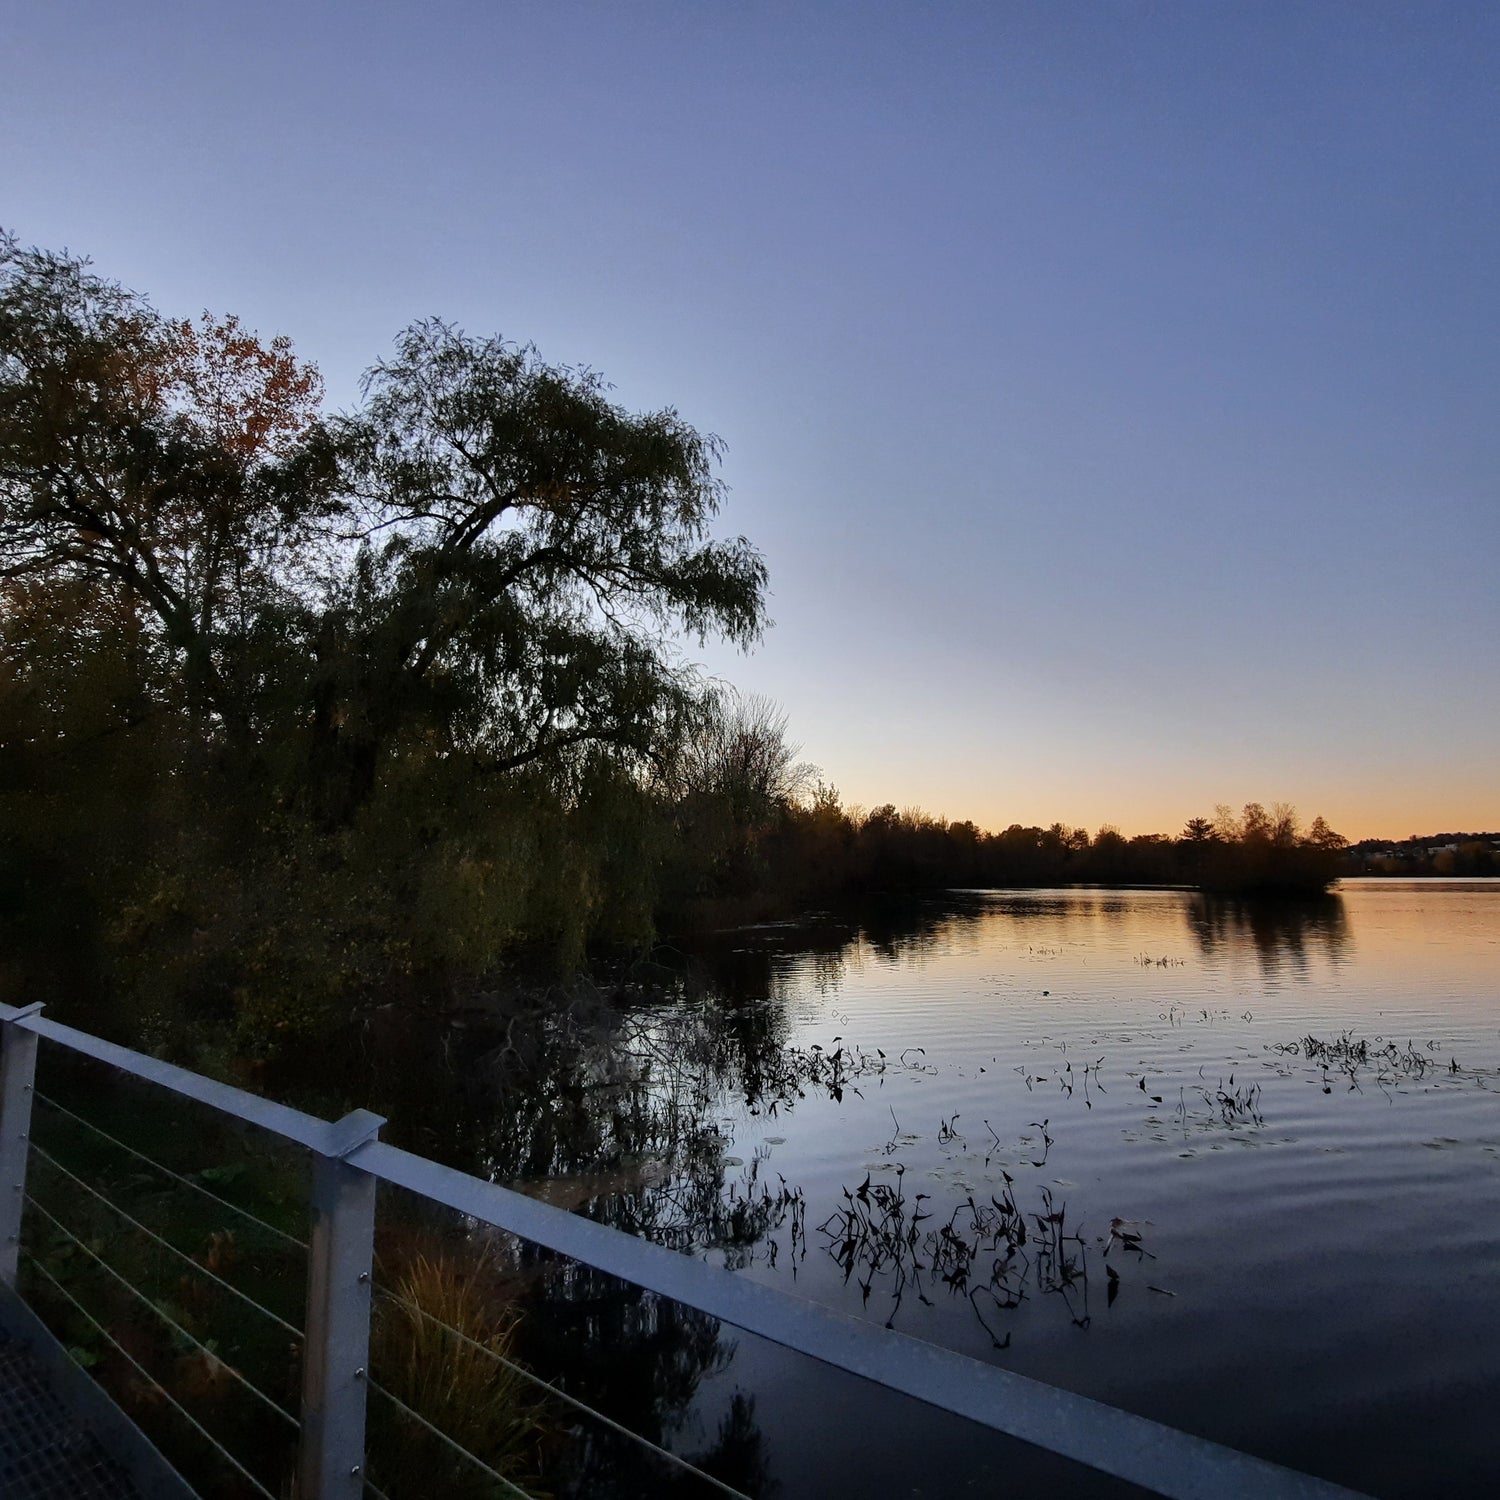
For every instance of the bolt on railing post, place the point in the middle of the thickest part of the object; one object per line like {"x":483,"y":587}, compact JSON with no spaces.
{"x":336,"y":1347}
{"x":17,"y":1076}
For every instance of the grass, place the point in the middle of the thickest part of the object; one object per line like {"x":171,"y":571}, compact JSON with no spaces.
{"x":441,"y":1341}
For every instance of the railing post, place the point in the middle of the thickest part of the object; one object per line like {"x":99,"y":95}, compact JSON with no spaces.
{"x":336,"y":1347}
{"x":17,"y":1075}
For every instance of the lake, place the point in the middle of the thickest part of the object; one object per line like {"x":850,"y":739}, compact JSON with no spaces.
{"x":1235,"y":1167}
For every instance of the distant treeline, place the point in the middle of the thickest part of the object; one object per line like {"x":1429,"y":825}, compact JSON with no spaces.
{"x":814,"y":848}
{"x":1433,"y":854}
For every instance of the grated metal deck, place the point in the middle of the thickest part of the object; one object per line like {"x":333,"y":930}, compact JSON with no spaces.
{"x":45,"y":1452}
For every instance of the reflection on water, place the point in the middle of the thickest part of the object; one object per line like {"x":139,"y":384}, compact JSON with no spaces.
{"x":1282,"y":934}
{"x":659,"y":1353}
{"x":1165,"y":1150}
{"x":1290,"y":939}
{"x":608,"y":1106}
{"x":1283,"y":1104}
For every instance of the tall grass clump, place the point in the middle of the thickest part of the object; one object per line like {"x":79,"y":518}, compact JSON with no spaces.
{"x":441,"y":1341}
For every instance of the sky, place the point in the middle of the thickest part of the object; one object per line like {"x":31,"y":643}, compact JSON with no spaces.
{"x":1111,"y":387}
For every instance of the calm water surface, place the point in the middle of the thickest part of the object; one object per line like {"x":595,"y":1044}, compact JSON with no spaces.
{"x":1306,"y":1246}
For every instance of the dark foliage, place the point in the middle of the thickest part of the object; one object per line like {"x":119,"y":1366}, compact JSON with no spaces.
{"x":300,"y":714}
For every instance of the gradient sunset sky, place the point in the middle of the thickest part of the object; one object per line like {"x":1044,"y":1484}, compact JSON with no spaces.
{"x":1114,"y":388}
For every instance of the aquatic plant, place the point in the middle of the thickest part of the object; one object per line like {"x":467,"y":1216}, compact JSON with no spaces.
{"x":993,"y":1253}
{"x":1383,"y":1061}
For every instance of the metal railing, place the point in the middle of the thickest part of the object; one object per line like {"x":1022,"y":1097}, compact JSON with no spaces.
{"x":349,"y":1160}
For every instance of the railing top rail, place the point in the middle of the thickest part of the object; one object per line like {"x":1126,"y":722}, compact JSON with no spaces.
{"x":280,"y":1119}
{"x":1159,"y":1458}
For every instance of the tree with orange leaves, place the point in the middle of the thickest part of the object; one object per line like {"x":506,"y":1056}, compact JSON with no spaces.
{"x":143,"y":459}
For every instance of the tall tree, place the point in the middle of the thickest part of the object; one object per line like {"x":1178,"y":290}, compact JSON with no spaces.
{"x":528,"y":553}
{"x":139,"y":460}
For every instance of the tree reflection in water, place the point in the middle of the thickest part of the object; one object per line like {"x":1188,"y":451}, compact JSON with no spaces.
{"x":656,"y":1355}
{"x":607,"y":1103}
{"x":1284,"y":934}
{"x":614,"y":1104}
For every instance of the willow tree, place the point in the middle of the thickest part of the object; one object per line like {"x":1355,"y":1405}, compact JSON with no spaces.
{"x":527,"y":556}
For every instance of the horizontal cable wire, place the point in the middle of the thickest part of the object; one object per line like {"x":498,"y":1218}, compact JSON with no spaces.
{"x":674,"y":1459}
{"x":155,"y":1384}
{"x":151,"y":1234}
{"x":171,"y":1323}
{"x":666,"y":1455}
{"x":510,"y":1486}
{"x":197,"y":1187}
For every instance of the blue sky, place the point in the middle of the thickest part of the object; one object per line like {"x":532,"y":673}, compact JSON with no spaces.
{"x":1111,"y":387}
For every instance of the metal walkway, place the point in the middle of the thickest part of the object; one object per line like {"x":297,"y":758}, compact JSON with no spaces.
{"x":45,"y":1450}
